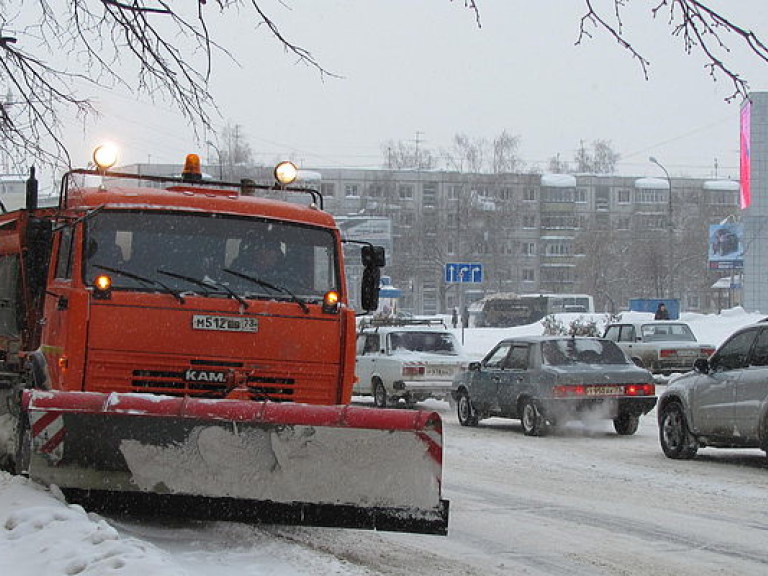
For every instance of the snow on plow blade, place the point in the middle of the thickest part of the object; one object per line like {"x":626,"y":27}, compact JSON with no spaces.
{"x":338,"y":466}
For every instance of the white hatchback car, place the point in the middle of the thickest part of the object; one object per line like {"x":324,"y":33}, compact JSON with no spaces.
{"x":408,"y":359}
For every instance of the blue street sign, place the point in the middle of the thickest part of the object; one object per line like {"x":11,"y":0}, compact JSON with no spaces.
{"x":462,"y":272}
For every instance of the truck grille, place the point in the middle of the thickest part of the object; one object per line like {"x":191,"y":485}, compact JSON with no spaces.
{"x":176,"y":383}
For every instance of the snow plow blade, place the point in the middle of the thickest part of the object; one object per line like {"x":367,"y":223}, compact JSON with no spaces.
{"x":263,"y":462}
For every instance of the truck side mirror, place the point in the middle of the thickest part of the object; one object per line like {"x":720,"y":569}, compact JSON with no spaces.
{"x":373,"y":258}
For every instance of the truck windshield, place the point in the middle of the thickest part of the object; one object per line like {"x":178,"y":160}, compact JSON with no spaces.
{"x":284,"y":259}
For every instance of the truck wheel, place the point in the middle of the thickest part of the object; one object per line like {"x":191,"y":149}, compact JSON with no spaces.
{"x":626,"y":424}
{"x":465,"y":410}
{"x":676,"y":440}
{"x":532,"y":419}
{"x":380,"y":399}
{"x":23,"y":445}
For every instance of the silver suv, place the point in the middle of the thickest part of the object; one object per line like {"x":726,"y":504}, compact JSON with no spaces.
{"x":723,"y":402}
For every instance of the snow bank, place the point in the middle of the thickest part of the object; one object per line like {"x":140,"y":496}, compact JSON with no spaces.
{"x":42,"y":535}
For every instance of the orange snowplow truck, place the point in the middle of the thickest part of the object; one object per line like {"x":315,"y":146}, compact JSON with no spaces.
{"x":186,"y":346}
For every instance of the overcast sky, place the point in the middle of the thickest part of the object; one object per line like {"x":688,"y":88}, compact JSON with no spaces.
{"x":425,"y":70}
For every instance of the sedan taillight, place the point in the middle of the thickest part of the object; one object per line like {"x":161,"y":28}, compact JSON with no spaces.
{"x":414,"y":370}
{"x":640,"y":389}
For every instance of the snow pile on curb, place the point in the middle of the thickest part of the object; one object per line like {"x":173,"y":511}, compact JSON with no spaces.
{"x":42,"y":535}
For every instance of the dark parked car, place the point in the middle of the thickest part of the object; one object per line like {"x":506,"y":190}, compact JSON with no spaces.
{"x":543,"y":380}
{"x":723,"y":402}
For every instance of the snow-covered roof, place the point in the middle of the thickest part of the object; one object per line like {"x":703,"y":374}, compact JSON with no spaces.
{"x":727,"y":185}
{"x":558,"y":180}
{"x":652,"y":184}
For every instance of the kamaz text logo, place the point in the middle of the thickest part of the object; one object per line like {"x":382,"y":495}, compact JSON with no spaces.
{"x":205,"y":376}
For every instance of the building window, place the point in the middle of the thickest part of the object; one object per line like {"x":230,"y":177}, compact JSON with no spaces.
{"x":623,"y":223}
{"x":580,"y":197}
{"x":643,"y":196}
{"x":529,"y":248}
{"x":429,"y":194}
{"x":529,"y":275}
{"x":454,"y":191}
{"x":558,"y":249}
{"x":376,"y":191}
{"x":352,"y":190}
{"x":529,"y":195}
{"x":558,"y":222}
{"x":723,"y":198}
{"x":328,"y":189}
{"x":405,"y":191}
{"x":529,"y":221}
{"x":602,"y":198}
{"x":507,"y":193}
{"x":558,"y":195}
{"x":623,"y":196}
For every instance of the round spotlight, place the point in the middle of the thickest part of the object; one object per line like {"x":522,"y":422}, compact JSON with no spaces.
{"x":286,"y":173}
{"x":105,"y":156}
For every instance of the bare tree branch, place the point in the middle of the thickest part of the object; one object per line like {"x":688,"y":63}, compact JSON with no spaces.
{"x":701,"y":28}
{"x":153,"y":47}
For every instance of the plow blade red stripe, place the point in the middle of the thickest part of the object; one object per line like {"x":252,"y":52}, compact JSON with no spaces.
{"x":345,"y":466}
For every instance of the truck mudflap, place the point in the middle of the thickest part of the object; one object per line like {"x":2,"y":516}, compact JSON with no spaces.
{"x":264,"y":462}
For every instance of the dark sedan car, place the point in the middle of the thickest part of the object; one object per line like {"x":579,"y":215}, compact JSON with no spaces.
{"x":543,"y":380}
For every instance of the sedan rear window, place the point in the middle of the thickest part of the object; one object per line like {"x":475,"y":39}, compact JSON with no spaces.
{"x":581,"y":351}
{"x":667,"y":332}
{"x":437,"y":342}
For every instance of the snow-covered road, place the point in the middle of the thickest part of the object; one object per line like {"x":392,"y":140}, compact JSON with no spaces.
{"x":580,"y":501}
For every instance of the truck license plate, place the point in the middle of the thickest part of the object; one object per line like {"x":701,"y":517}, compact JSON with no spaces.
{"x":225,"y":323}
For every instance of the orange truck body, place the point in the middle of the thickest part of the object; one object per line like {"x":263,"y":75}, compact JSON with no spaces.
{"x":223,"y":352}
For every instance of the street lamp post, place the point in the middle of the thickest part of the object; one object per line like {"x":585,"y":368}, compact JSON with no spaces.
{"x":670,"y":224}
{"x":218,"y":153}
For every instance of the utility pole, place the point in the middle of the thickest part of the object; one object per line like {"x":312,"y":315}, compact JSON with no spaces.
{"x":670,"y":227}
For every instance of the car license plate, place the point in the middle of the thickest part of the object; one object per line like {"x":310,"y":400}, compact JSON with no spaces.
{"x":439,"y":371}
{"x":605,"y":390}
{"x":687,"y":353}
{"x":225,"y":323}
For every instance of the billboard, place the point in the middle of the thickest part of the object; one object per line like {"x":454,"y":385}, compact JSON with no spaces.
{"x":726,"y":247}
{"x":745,"y":197}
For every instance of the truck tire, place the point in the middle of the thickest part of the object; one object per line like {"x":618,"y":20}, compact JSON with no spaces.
{"x":23,"y":445}
{"x":465,"y":411}
{"x":380,"y":399}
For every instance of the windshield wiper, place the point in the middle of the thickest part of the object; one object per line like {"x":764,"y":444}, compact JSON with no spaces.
{"x":143,"y":279}
{"x":206,"y":283}
{"x":270,"y":286}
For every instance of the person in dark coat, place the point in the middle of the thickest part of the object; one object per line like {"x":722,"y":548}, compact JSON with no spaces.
{"x":661,"y":312}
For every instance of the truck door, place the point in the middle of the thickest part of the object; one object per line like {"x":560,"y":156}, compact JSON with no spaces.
{"x":56,"y":320}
